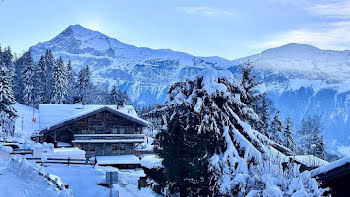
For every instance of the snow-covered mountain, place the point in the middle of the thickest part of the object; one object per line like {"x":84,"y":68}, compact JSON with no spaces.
{"x":141,"y":71}
{"x":302,"y":80}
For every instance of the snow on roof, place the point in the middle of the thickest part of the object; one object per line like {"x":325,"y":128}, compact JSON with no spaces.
{"x":310,"y":160}
{"x":151,"y":161}
{"x":120,"y":159}
{"x":330,"y":166}
{"x":53,"y":114}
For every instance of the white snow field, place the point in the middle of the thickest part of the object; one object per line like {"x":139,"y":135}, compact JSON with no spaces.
{"x":84,"y":181}
{"x":18,"y":178}
{"x":25,"y":126}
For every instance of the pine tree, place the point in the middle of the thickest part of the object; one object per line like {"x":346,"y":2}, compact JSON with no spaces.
{"x":50,"y":64}
{"x":207,"y":148}
{"x":320,"y":148}
{"x":124,"y":98}
{"x":40,"y":82}
{"x":7,"y":60}
{"x":264,"y":115}
{"x":114,"y":95}
{"x":18,"y":80}
{"x":59,"y":83}
{"x":288,"y":140}
{"x":71,"y":82}
{"x":7,"y":99}
{"x":311,"y":142}
{"x":28,"y":79}
{"x":251,"y":97}
{"x":84,"y":85}
{"x":204,"y":136}
{"x":276,"y":130}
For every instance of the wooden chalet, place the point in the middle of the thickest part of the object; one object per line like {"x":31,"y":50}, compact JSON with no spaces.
{"x":100,"y":130}
{"x":335,"y":176}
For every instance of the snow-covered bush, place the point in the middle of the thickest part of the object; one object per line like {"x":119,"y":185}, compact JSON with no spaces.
{"x":208,"y":147}
{"x":5,"y":153}
{"x":269,"y":178}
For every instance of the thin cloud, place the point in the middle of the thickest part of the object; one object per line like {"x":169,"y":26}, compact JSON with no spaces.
{"x":332,"y":36}
{"x":337,"y":9}
{"x":208,"y":11}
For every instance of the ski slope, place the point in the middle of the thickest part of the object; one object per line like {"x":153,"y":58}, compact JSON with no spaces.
{"x":25,"y":126}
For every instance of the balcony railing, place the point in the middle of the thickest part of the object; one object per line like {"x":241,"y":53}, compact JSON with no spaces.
{"x":99,"y":138}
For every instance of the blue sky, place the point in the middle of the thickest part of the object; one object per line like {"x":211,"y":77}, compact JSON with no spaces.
{"x":226,"y":28}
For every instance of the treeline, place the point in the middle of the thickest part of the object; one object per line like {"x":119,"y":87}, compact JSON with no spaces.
{"x":53,"y":81}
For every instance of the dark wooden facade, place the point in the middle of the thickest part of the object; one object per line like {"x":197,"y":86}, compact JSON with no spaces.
{"x":337,"y":180}
{"x":101,"y":132}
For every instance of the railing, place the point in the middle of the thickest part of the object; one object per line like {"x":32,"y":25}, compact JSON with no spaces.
{"x":21,"y":151}
{"x":67,"y":161}
{"x":108,"y":136}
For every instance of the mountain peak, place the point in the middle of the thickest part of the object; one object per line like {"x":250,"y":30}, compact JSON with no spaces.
{"x":81,"y":31}
{"x":293,"y":50}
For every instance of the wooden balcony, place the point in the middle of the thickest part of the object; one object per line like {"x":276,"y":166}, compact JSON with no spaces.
{"x":108,"y":138}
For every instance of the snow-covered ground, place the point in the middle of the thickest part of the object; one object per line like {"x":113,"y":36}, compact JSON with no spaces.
{"x":24,"y":123}
{"x":84,"y":180}
{"x":18,"y":178}
{"x":128,"y":185}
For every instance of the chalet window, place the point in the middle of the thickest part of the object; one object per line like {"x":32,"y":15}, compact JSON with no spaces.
{"x":122,"y":130}
{"x":122,"y":146}
{"x":92,"y":147}
{"x":115,"y":147}
{"x":115,"y":131}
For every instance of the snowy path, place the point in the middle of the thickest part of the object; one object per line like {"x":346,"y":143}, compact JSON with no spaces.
{"x":13,"y":186}
{"x":128,"y":185}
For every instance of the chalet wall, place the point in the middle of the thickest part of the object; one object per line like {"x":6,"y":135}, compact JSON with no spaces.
{"x":103,"y":122}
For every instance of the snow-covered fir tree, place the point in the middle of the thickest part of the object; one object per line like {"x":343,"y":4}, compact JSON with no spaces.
{"x":115,"y":95}
{"x":288,"y":140}
{"x":50,"y":64}
{"x":264,"y":115}
{"x":311,"y":142}
{"x":124,"y":98}
{"x":40,"y":82}
{"x":71,"y":82}
{"x":28,"y":79}
{"x":59,"y":83}
{"x":84,"y":85}
{"x":276,"y":130}
{"x":18,"y":80}
{"x":208,"y":148}
{"x":7,"y":99}
{"x":251,"y":96}
{"x":7,"y":60}
{"x":320,"y":148}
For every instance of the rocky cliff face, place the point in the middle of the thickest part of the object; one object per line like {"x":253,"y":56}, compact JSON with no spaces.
{"x":302,"y":80}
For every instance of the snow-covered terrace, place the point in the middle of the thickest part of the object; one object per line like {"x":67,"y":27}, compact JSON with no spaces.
{"x":118,"y":160}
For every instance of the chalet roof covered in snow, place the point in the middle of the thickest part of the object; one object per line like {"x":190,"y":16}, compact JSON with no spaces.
{"x":310,"y":160}
{"x":334,"y":166}
{"x":52,"y":116}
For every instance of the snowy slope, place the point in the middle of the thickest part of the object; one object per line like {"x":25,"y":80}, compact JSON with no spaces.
{"x":24,"y":123}
{"x":303,"y":80}
{"x":21,"y":179}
